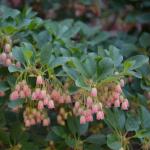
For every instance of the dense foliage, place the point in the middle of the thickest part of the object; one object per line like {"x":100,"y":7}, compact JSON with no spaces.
{"x":69,"y":85}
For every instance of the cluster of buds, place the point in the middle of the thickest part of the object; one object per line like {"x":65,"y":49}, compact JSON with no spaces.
{"x":33,"y":116}
{"x":113,"y":95}
{"x":48,"y":98}
{"x":60,"y":98}
{"x":42,"y":96}
{"x":21,"y":91}
{"x":6,"y":57}
{"x":43,"y":99}
{"x":108,"y":95}
{"x":62,"y":116}
{"x":90,"y":107}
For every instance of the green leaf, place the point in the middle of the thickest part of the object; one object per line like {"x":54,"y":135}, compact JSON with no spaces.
{"x":18,"y":55}
{"x":144,"y":133}
{"x":28,"y":54}
{"x":46,"y":58}
{"x":59,"y":131}
{"x":6,"y":12}
{"x":16,"y":131}
{"x":79,"y":67}
{"x":145,"y":117}
{"x":29,"y":146}
{"x":82,"y":128}
{"x":120,"y":118}
{"x":132,"y":123}
{"x":139,"y":60}
{"x":90,"y":65}
{"x":101,"y":37}
{"x":35,"y":23}
{"x":42,"y":39}
{"x":3,"y":86}
{"x":52,"y":136}
{"x":115,"y":119}
{"x":80,"y":83}
{"x":105,"y":68}
{"x":71,"y":72}
{"x":143,"y":18}
{"x":128,"y":64}
{"x":59,"y":61}
{"x":2,"y":118}
{"x":72,"y":31}
{"x":145,"y":87}
{"x":13,"y":68}
{"x":71,"y":123}
{"x":88,"y":146}
{"x":114,"y":53}
{"x":70,"y":142}
{"x":113,"y":142}
{"x":145,"y":40}
{"x":98,"y":139}
{"x":13,"y":104}
{"x":28,"y":51}
{"x":4,"y":137}
{"x":9,"y":29}
{"x":135,"y":74}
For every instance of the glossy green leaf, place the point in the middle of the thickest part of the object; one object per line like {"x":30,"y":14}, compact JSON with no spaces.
{"x":113,"y":142}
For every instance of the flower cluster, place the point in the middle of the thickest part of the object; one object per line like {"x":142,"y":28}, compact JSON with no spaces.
{"x":6,"y":57}
{"x":40,"y":98}
{"x":21,"y":91}
{"x":46,"y":95}
{"x":32,"y":116}
{"x":43,"y":99}
{"x":90,"y":107}
{"x":108,"y":95}
{"x":60,"y":98}
{"x":113,"y":95}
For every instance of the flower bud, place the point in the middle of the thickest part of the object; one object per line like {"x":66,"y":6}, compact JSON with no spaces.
{"x":55,"y":95}
{"x":7,"y":48}
{"x":125,"y":104}
{"x":40,"y":105}
{"x":39,"y":80}
{"x":89,"y":102}
{"x":3,"y":56}
{"x":2,"y":93}
{"x":82,"y":120}
{"x":117,"y":103}
{"x":21,"y":94}
{"x":100,"y":115}
{"x":46,"y":122}
{"x":77,"y":105}
{"x":95,"y":108}
{"x":51,"y":104}
{"x":14,"y":95}
{"x":68,"y":99}
{"x":46,"y":100}
{"x":27,"y":123}
{"x":8,"y":62}
{"x":122,"y":83}
{"x":94,"y":92}
{"x":118,"y":88}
